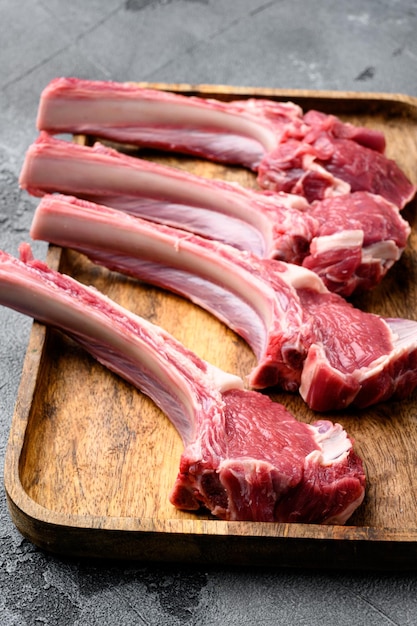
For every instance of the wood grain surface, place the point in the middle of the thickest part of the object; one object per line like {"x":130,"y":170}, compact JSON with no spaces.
{"x":91,"y":461}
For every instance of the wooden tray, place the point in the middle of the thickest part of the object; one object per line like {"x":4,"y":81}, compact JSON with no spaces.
{"x":91,"y":461}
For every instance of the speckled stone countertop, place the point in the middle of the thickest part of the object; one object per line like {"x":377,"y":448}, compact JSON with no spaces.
{"x":362,"y":45}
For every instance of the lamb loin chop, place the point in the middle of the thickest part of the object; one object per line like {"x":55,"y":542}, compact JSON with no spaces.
{"x":315,"y":155}
{"x":349,"y":240}
{"x":245,"y":457}
{"x":303,"y":336}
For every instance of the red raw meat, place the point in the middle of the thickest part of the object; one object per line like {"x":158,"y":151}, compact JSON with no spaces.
{"x":350,"y":240}
{"x":332,"y":166}
{"x":283,"y":487}
{"x":245,"y":457}
{"x":303,"y":336}
{"x":319,"y":123}
{"x":359,"y":237}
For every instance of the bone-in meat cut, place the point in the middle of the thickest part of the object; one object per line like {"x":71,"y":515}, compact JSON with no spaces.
{"x":245,"y":457}
{"x":314,"y":154}
{"x":303,"y":336}
{"x":350,"y":240}
{"x":241,"y":131}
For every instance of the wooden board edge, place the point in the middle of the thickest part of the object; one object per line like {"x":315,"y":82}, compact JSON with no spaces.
{"x":399,"y":101}
{"x":31,"y":372}
{"x":227,"y":550}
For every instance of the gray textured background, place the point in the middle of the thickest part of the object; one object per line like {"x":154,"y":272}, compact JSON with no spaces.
{"x":360,"y":45}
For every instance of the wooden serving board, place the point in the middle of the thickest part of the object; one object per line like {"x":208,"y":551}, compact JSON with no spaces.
{"x":91,"y":461}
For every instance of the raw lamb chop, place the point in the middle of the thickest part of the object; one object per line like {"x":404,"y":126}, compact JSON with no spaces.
{"x":303,"y":336}
{"x":242,"y":131}
{"x":314,"y":154}
{"x":350,"y":241}
{"x":245,"y":457}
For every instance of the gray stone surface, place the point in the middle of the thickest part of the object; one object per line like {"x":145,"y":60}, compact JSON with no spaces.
{"x":361,"y":45}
